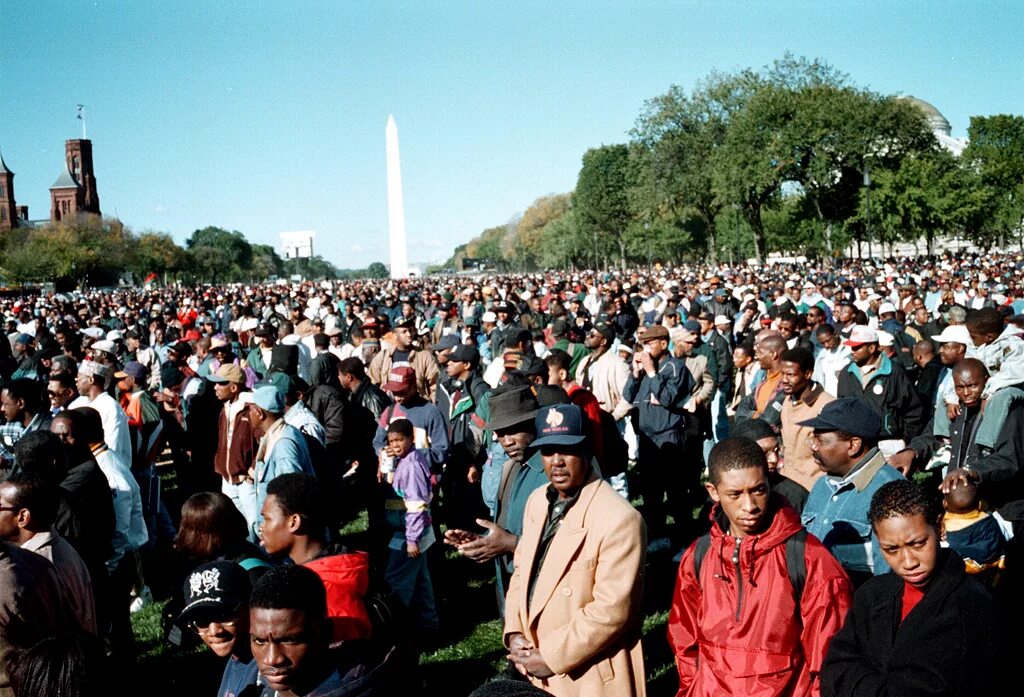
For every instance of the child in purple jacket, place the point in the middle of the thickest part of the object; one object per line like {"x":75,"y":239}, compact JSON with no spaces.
{"x":408,"y":514}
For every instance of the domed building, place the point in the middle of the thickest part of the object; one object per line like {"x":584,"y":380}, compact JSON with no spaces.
{"x":940,"y":126}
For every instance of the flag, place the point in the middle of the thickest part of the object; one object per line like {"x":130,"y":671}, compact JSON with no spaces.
{"x":150,"y":278}
{"x":79,"y":107}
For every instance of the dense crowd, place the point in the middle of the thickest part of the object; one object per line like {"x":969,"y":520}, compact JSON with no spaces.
{"x":832,"y":454}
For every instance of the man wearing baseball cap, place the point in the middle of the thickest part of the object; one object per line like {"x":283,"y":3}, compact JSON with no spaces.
{"x":659,"y":387}
{"x":570,"y":626}
{"x":462,"y":399}
{"x":282,"y":447}
{"x":429,"y":424}
{"x":237,"y":442}
{"x":146,"y":430}
{"x":883,"y":385}
{"x":844,"y":444}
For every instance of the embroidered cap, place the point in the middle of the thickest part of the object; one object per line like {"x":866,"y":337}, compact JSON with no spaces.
{"x":215,"y":588}
{"x":559,"y":424}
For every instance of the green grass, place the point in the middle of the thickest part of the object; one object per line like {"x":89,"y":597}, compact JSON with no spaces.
{"x":471,"y":653}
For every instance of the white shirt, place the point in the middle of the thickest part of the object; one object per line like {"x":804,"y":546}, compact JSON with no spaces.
{"x":115,"y":423}
{"x":129,"y":525}
{"x":827,"y":366}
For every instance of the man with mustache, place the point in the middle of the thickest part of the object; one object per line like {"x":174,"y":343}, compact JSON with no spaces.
{"x":844,"y":443}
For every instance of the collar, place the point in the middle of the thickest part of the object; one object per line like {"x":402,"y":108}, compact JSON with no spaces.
{"x":862,"y":473}
{"x":39,"y":540}
{"x":810,"y":395}
{"x":969,"y":515}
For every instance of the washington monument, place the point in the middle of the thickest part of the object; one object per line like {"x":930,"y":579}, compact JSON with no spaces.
{"x":396,"y":212}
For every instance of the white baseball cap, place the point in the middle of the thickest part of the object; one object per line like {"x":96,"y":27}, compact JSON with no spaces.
{"x":886,"y":308}
{"x":861,"y":334}
{"x":954,"y":333}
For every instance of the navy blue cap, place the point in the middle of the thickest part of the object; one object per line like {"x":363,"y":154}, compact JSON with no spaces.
{"x":464,"y":353}
{"x":559,"y":424}
{"x":849,"y":414}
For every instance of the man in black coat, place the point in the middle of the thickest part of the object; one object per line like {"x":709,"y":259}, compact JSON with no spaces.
{"x":925,"y":629}
{"x":884,"y":385}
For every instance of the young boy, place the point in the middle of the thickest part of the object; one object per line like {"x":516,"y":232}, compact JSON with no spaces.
{"x":413,"y":533}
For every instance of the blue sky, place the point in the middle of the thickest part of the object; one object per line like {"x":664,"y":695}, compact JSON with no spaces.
{"x":269,"y":116}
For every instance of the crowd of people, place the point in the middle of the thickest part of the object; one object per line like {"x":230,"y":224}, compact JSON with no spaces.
{"x":830,"y":454}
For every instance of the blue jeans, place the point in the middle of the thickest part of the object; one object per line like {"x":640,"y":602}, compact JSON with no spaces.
{"x":244,"y":497}
{"x":410,"y":581}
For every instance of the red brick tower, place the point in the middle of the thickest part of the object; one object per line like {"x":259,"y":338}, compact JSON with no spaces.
{"x":75,"y":189}
{"x":8,"y":209}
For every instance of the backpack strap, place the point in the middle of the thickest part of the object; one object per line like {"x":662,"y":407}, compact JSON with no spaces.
{"x":796,"y":564}
{"x":253,"y":563}
{"x":700,"y":550}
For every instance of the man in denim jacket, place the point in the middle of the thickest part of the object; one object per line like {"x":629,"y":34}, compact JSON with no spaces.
{"x":844,"y":444}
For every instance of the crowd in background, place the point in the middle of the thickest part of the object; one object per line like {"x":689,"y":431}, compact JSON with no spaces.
{"x":790,"y":433}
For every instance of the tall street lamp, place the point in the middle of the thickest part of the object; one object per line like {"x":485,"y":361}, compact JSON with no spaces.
{"x":867,"y":185}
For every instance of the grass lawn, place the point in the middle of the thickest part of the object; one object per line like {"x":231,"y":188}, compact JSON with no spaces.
{"x":472,"y":654}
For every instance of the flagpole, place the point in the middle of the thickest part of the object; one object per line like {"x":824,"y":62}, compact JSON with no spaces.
{"x":81,"y":117}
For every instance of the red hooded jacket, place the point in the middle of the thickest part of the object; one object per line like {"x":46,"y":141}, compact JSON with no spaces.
{"x":737,"y":631}
{"x":346,"y":578}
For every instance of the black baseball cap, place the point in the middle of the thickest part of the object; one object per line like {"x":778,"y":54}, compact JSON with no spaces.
{"x":215,"y":589}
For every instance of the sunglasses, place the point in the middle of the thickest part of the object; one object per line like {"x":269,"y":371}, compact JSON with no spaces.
{"x":203,"y":626}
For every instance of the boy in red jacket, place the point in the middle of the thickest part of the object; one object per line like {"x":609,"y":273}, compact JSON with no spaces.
{"x":741,"y":628}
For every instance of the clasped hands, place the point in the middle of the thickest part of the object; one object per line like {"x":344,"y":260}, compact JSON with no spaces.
{"x":526,"y":658}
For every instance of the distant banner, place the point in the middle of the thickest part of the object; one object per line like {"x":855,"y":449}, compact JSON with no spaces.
{"x":150,"y":278}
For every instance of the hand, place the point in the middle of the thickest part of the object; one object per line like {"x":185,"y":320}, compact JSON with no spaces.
{"x":903,"y":461}
{"x":958,"y":478}
{"x":647,"y":363}
{"x":473,"y":474}
{"x":486,"y":547}
{"x":456,"y":538}
{"x":412,"y":550}
{"x":517,"y":642}
{"x":529,"y":661}
{"x":952,"y":411}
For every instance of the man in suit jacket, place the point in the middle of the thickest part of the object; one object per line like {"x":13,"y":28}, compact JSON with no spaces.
{"x":572,"y":613}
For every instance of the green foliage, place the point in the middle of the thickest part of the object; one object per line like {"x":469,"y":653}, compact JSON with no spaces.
{"x":602,"y":195}
{"x":377,"y":270}
{"x":994,"y":160}
{"x":266,"y":262}
{"x":218,"y":255}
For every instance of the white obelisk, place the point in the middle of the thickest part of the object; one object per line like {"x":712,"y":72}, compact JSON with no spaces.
{"x":396,"y":210}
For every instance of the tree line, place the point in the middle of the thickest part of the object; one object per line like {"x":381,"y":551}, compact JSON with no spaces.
{"x":791,"y":158}
{"x":88,"y":250}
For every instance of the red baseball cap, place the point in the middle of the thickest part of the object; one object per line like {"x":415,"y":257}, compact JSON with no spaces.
{"x":400,"y":379}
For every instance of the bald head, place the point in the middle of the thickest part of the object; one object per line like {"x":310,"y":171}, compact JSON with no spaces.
{"x":970,"y":368}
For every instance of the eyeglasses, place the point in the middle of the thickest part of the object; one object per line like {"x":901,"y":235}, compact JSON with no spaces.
{"x":203,"y":626}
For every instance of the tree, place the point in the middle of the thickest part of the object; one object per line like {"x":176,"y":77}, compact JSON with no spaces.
{"x":922,"y":198}
{"x":994,"y":159}
{"x":377,"y":270}
{"x":156,"y":252}
{"x":266,"y":262}
{"x":682,"y":135}
{"x":216,"y":253}
{"x":564,"y":243}
{"x":602,"y":196}
{"x":523,"y":242}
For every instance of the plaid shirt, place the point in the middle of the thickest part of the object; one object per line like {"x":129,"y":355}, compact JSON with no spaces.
{"x":10,"y":433}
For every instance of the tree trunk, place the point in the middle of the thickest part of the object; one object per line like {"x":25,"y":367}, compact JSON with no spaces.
{"x":622,"y":251}
{"x":712,"y":240}
{"x":754,"y":220}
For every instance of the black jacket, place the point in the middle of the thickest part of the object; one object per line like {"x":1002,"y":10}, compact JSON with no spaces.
{"x":944,"y":647}
{"x":891,"y":393}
